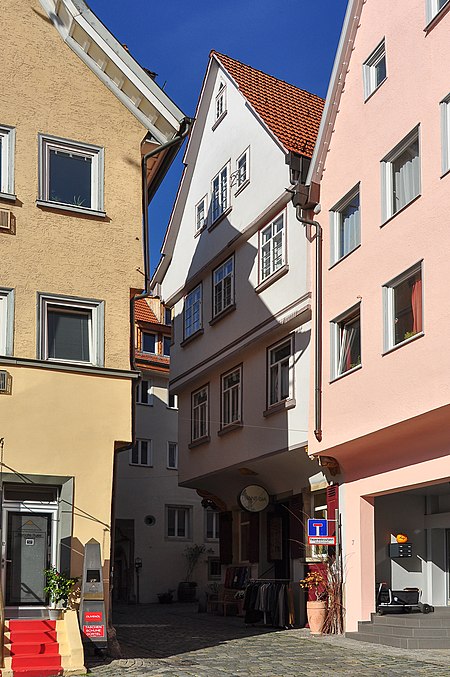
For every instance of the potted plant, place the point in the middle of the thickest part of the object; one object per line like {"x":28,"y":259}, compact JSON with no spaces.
{"x":58,"y":588}
{"x":316,"y":608}
{"x":187,"y":589}
{"x":166,"y":597}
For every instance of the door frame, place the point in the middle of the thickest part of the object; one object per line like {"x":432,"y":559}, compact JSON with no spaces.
{"x":30,"y":508}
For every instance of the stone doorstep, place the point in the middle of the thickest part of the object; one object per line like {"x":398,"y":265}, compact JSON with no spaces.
{"x":401,"y":642}
{"x":403,"y":631}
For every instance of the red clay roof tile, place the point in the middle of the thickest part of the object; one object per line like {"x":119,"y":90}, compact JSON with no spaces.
{"x":292,"y":114}
{"x":143,"y":312}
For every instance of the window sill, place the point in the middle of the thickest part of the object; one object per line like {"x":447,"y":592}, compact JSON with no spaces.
{"x":220,"y":218}
{"x":200,"y":230}
{"x":219,"y":120}
{"x":222,"y":314}
{"x":229,"y":428}
{"x":400,"y":210}
{"x":346,"y":373}
{"x":272,"y":278}
{"x":197,"y":443}
{"x":145,"y":404}
{"x":59,"y":206}
{"x":280,"y":406}
{"x":344,"y":257}
{"x":403,"y":343}
{"x":241,"y":188}
{"x":8,"y":196}
{"x":375,"y":90}
{"x":192,"y":337}
{"x":446,"y":173}
{"x":437,"y":17}
{"x":177,"y":539}
{"x":170,"y":468}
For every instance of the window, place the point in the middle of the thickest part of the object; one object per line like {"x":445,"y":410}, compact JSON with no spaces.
{"x":168,"y":316}
{"x":211,"y":524}
{"x":193,"y":312}
{"x":214,"y":569}
{"x":178,"y":520}
{"x":403,"y":307}
{"x":70,"y":174}
{"x":374,"y":70}
{"x":223,"y":286}
{"x":243,"y":169}
{"x":319,"y":511}
{"x":200,"y":215}
{"x":346,"y":342}
{"x":220,"y":193}
{"x":434,"y":7}
{"x":272,"y":246}
{"x":172,"y":455}
{"x":221,"y":102}
{"x":166,"y":345}
{"x":445,"y":132}
{"x":144,"y":392}
{"x":141,"y":453}
{"x":6,"y":321}
{"x":148,"y":342}
{"x":172,"y":401}
{"x":7,"y":138}
{"x":345,"y":226}
{"x":401,"y":175}
{"x":231,"y":397}
{"x":280,"y":372}
{"x":200,"y":414}
{"x":71,"y":330}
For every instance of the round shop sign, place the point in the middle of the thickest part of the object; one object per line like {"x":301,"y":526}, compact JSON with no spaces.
{"x":253,"y":498}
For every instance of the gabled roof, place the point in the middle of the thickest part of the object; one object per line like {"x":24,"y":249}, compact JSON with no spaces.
{"x":292,"y":114}
{"x":143,"y":312}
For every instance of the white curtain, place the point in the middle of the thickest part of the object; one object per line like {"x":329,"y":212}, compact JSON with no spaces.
{"x":406,"y":176}
{"x":348,"y":338}
{"x":349,"y":236}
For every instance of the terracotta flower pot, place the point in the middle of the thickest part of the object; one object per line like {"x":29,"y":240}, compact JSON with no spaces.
{"x":316,"y":611}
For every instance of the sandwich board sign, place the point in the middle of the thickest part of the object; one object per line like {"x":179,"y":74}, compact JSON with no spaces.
{"x":318,"y":533}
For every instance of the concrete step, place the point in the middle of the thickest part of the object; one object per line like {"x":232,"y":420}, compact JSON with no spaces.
{"x":402,"y":631}
{"x":401,"y":642}
{"x":412,"y":620}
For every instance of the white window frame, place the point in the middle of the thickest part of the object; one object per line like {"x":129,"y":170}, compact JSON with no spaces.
{"x":389,"y":307}
{"x":203,"y":409}
{"x":175,"y":401}
{"x":145,"y":385}
{"x":370,"y":69}
{"x":272,"y":226}
{"x":279,"y":363}
{"x":173,"y":466}
{"x":219,"y":284}
{"x":433,"y":9}
{"x":220,"y":103}
{"x":387,"y":174}
{"x":445,"y":133}
{"x":201,"y":214}
{"x":95,"y":153}
{"x":242,"y":182}
{"x":221,"y":197}
{"x":215,"y":515}
{"x":336,"y":223}
{"x":96,"y":326}
{"x":138,"y":447}
{"x":187,"y":510}
{"x":336,"y":340}
{"x":191,"y":302}
{"x":8,"y":138}
{"x":6,"y":321}
{"x":226,"y":396}
{"x":319,"y":552}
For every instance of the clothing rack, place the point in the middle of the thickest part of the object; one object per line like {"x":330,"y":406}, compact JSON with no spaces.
{"x":269,"y":600}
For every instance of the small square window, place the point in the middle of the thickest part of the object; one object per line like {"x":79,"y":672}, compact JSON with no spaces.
{"x":168,"y":316}
{"x":172,"y":455}
{"x":345,"y":226}
{"x":7,"y":140}
{"x":6,"y":321}
{"x":70,"y":174}
{"x":433,"y":7}
{"x":141,"y":453}
{"x":193,"y":312}
{"x":178,"y":521}
{"x":166,"y":345}
{"x":211,"y":524}
{"x":280,"y":372}
{"x":243,"y":169}
{"x":400,"y":175}
{"x":445,"y":133}
{"x":220,"y":193}
{"x":221,"y":102}
{"x":231,"y":397}
{"x":374,"y":70}
{"x":71,"y":330}
{"x":200,"y":214}
{"x":172,"y":401}
{"x":403,"y":301}
{"x":148,"y":342}
{"x":272,"y":248}
{"x":223,"y":286}
{"x":346,"y":342}
{"x":144,"y":393}
{"x":214,"y":569}
{"x":200,"y":414}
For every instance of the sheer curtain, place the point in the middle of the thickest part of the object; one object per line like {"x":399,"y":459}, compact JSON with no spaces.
{"x":350,"y":231}
{"x":349,"y":336}
{"x":406,"y":176}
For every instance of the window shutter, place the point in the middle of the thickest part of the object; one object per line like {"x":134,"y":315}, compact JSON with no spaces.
{"x":226,"y":537}
{"x":253,"y":546}
{"x":332,"y":506}
{"x":296,"y":526}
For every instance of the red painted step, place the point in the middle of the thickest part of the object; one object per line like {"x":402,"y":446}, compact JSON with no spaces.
{"x":21,"y":648}
{"x":39,"y":672}
{"x":33,"y":648}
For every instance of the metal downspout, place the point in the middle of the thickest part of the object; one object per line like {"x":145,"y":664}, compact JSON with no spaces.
{"x":317,"y":325}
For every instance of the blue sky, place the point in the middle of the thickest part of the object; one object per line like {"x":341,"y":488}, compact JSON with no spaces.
{"x":294,"y":40}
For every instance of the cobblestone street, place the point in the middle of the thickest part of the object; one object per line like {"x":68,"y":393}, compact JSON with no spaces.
{"x":176,"y":640}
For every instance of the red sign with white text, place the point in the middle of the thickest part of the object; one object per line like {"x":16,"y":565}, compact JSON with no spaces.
{"x":94,"y":630}
{"x":93,"y":616}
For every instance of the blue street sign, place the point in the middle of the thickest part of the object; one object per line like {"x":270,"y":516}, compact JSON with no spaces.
{"x":317,"y":527}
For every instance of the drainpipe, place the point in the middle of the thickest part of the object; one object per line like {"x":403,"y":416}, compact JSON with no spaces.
{"x":317,"y":325}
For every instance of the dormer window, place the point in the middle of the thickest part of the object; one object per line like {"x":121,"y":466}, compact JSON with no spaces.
{"x":221,"y":103}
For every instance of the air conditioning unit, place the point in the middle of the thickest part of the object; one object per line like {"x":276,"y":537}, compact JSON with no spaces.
{"x":4,"y":381}
{"x":5,"y":219}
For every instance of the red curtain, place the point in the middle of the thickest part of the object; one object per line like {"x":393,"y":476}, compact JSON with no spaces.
{"x":416,"y":304}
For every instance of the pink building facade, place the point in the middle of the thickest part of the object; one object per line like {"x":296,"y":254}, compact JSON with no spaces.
{"x":383,"y":164}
